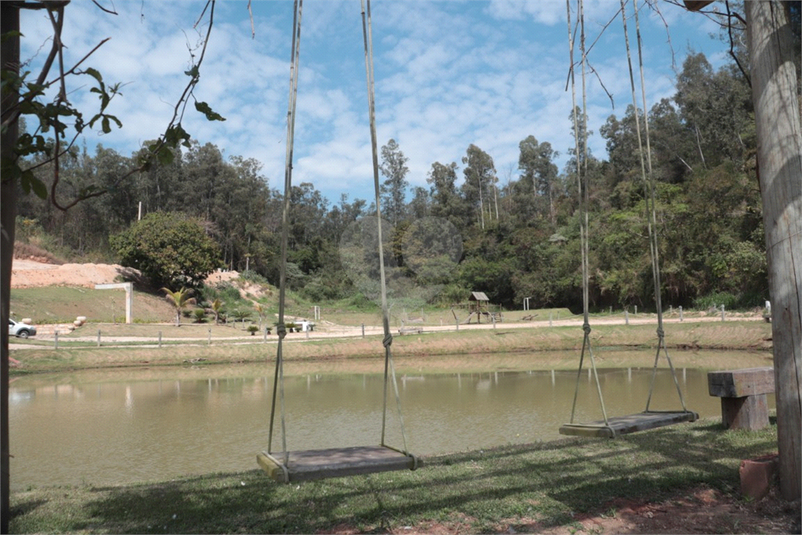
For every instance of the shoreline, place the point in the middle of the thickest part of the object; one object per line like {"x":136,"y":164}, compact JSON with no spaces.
{"x":529,"y":347}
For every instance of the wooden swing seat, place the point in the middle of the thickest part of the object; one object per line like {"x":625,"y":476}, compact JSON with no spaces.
{"x":622,"y":425}
{"x":335,"y":462}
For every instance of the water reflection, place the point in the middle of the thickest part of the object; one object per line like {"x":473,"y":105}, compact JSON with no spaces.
{"x":117,"y":432}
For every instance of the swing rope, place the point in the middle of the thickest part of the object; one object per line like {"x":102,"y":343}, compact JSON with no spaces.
{"x":650,"y":198}
{"x":281,"y":328}
{"x":584,"y":200}
{"x":389,"y":367}
{"x":623,"y":424}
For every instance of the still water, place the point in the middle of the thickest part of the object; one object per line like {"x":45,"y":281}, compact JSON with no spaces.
{"x":124,"y":428}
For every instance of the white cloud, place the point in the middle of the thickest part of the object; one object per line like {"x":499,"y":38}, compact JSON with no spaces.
{"x":448,"y":74}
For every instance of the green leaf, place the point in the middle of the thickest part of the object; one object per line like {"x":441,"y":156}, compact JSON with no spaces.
{"x":175,"y":135}
{"x":94,"y":73}
{"x":30,"y":182}
{"x":210,"y":114}
{"x":165,"y":156}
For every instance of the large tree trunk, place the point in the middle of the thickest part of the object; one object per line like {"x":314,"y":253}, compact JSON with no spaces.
{"x":8,"y":213}
{"x":780,"y":166}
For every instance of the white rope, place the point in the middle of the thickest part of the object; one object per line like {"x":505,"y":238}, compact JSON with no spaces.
{"x":584,"y":200}
{"x":281,"y":329}
{"x":650,"y":200}
{"x":389,"y":368}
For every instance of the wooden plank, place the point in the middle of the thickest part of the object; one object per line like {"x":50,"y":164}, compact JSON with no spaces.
{"x":622,"y":425}
{"x":335,"y":462}
{"x":740,"y":383}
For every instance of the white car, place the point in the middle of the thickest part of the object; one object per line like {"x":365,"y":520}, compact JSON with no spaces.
{"x":20,"y":330}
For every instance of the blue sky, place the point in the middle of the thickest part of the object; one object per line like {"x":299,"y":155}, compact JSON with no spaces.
{"x":447,"y":74}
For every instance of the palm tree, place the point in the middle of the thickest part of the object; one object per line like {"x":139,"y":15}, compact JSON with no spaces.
{"x":260,"y":309}
{"x":217,"y":308}
{"x":179,"y":299}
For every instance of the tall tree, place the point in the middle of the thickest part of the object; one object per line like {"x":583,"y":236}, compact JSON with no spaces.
{"x":480,"y":181}
{"x":717,"y":110}
{"x":779,"y":134}
{"x":394,"y":188}
{"x":535,"y":161}
{"x":446,"y":200}
{"x":419,"y":206}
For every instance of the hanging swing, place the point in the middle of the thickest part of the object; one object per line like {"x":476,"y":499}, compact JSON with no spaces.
{"x":612,"y":427}
{"x":290,"y":466}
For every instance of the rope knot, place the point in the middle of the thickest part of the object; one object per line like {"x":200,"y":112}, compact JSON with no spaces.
{"x":281,"y":330}
{"x":660,"y":333}
{"x":388,"y":340}
{"x":586,"y":328}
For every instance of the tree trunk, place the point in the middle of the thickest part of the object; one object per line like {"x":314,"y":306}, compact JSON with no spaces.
{"x":780,"y":169}
{"x":8,"y":212}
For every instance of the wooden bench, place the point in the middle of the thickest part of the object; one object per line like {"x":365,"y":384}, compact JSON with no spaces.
{"x":743,"y":396}
{"x":410,"y":330}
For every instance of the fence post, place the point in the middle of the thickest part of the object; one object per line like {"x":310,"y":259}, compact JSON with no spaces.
{"x":680,"y":313}
{"x":98,"y":337}
{"x":363,"y":330}
{"x":160,"y":339}
{"x":626,"y":317}
{"x":550,"y":318}
{"x":722,"y":312}
{"x":55,"y":340}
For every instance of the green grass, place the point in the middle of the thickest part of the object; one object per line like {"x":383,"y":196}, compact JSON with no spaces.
{"x":521,"y":488}
{"x":542,"y":344}
{"x":62,"y":304}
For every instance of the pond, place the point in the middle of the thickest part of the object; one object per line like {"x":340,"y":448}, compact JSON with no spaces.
{"x":118,"y":427}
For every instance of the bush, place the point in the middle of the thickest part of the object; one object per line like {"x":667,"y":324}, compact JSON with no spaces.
{"x":170,"y":249}
{"x":200,"y":315}
{"x":715,"y":300}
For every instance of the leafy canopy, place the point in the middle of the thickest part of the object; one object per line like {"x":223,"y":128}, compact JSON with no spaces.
{"x":169,"y":248}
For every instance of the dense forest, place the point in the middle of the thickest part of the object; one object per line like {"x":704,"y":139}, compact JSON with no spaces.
{"x":519,"y":235}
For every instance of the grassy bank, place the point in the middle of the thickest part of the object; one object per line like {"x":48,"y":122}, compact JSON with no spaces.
{"x":513,"y":489}
{"x":541,"y":345}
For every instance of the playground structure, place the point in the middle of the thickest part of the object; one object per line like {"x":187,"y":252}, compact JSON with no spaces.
{"x":478,"y":307}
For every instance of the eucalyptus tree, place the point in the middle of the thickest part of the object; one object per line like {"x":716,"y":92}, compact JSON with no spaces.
{"x":536,"y":162}
{"x":672,"y":147}
{"x":480,"y":182}
{"x":446,"y":201}
{"x":716,"y":107}
{"x":394,"y":188}
{"x":420,"y":205}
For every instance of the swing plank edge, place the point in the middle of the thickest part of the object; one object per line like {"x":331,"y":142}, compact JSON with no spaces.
{"x":622,"y":425}
{"x":335,"y":462}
